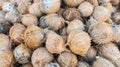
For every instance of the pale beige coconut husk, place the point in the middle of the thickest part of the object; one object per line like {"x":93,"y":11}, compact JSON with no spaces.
{"x":102,"y":62}
{"x":6,"y":58}
{"x":100,"y":13}
{"x":79,"y":42}
{"x":16,"y":32}
{"x":40,"y":57}
{"x":83,"y":64}
{"x":52,"y":21}
{"x":67,"y":59}
{"x":86,"y":9}
{"x":54,"y":42}
{"x":22,"y":54}
{"x":109,"y":51}
{"x":94,"y":2}
{"x":35,"y":9}
{"x":49,"y":6}
{"x":71,"y":14}
{"x":101,"y":32}
{"x":33,"y":36}
{"x":75,"y":25}
{"x":73,"y":3}
{"x":29,"y":19}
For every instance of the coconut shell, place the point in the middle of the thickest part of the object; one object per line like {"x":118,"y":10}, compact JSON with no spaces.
{"x":75,"y":25}
{"x":40,"y":57}
{"x":65,"y":62}
{"x":86,"y":9}
{"x":54,"y":42}
{"x":79,"y":42}
{"x":27,"y":65}
{"x":33,"y":36}
{"x":116,"y":17}
{"x":52,"y":21}
{"x":35,"y":9}
{"x":109,"y":51}
{"x":29,"y":19}
{"x":101,"y":33}
{"x":16,"y":32}
{"x":100,"y":13}
{"x":71,"y":14}
{"x":83,"y":64}
{"x":52,"y":65}
{"x":22,"y":54}
{"x":6,"y":58}
{"x":93,"y":2}
{"x":49,"y":6}
{"x":73,"y":3}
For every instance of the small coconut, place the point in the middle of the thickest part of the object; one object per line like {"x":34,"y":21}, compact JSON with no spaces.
{"x":6,"y":58}
{"x":116,"y":17}
{"x":52,"y":65}
{"x":5,"y":42}
{"x":79,"y":42}
{"x":86,"y":9}
{"x":33,"y":36}
{"x":29,"y":19}
{"x":71,"y":14}
{"x":94,"y":2}
{"x":67,"y":59}
{"x":13,"y":17}
{"x":27,"y":65}
{"x":109,"y":51}
{"x":49,"y":6}
{"x":101,"y":32}
{"x":100,"y":13}
{"x":23,"y":7}
{"x":35,"y":9}
{"x":75,"y":25}
{"x":73,"y":3}
{"x":2,"y":14}
{"x":54,"y":42}
{"x":40,"y":57}
{"x":52,"y":21}
{"x":22,"y":54}
{"x":102,"y":62}
{"x":83,"y":64}
{"x":114,"y":2}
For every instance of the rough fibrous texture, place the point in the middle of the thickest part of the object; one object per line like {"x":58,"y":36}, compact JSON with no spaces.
{"x":85,"y":9}
{"x":65,"y":62}
{"x":79,"y":42}
{"x":49,"y":6}
{"x":16,"y":32}
{"x":54,"y":43}
{"x":40,"y":57}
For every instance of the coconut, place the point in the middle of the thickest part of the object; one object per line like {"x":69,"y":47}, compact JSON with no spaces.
{"x":65,"y":62}
{"x":40,"y":57}
{"x":49,"y":6}
{"x":52,"y":21}
{"x":29,"y":19}
{"x":54,"y":42}
{"x":71,"y":14}
{"x":52,"y":65}
{"x":93,"y":2}
{"x":116,"y":17}
{"x":83,"y":64}
{"x":33,"y":36}
{"x":86,"y":9}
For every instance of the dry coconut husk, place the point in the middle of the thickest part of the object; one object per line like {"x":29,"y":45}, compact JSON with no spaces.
{"x":93,"y":2}
{"x":40,"y":57}
{"x":75,"y":25}
{"x":101,"y":32}
{"x":86,"y":9}
{"x":79,"y":42}
{"x":100,"y":13}
{"x":52,"y":65}
{"x":83,"y":64}
{"x":6,"y":58}
{"x":27,"y":65}
{"x":52,"y":21}
{"x":5,"y":42}
{"x":54,"y":42}
{"x":71,"y":14}
{"x":102,"y":62}
{"x":16,"y":32}
{"x":109,"y":51}
{"x":67,"y":59}
{"x":29,"y":19}
{"x":35,"y":9}
{"x":33,"y":36}
{"x":49,"y":6}
{"x":73,"y":3}
{"x":22,"y":54}
{"x":116,"y":17}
